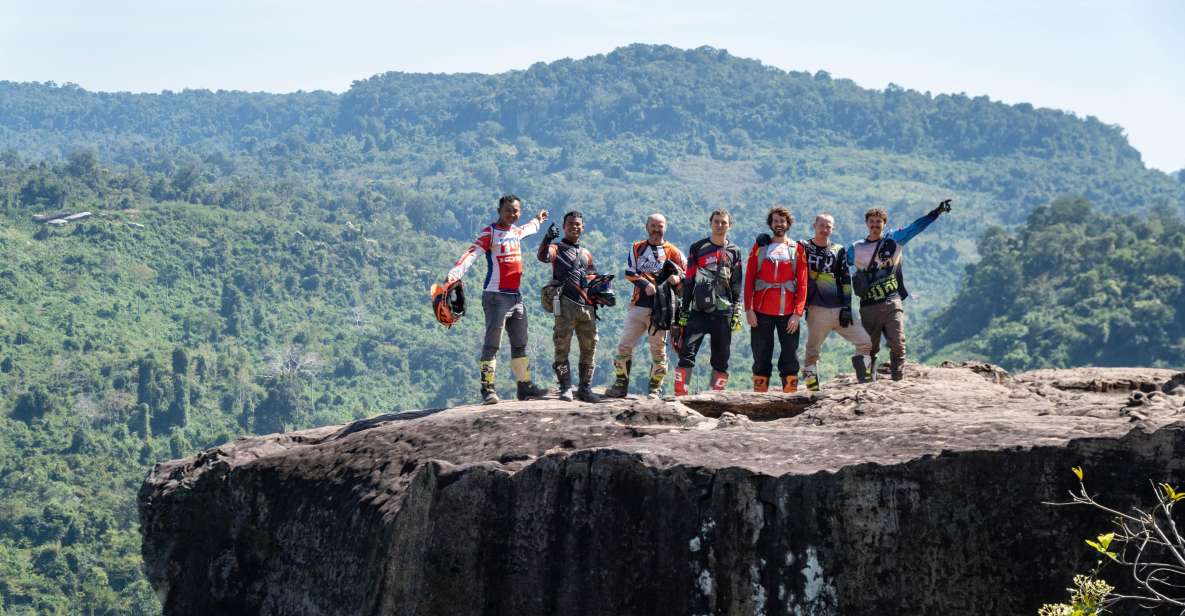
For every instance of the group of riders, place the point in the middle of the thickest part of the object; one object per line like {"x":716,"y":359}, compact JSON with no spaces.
{"x":683,"y":299}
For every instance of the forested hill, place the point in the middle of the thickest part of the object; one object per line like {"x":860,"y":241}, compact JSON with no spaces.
{"x":70,"y":116}
{"x":642,"y":90}
{"x":674,"y":94}
{"x":259,"y":262}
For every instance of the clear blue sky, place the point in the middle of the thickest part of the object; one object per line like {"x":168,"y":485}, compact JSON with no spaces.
{"x":1123,"y":62}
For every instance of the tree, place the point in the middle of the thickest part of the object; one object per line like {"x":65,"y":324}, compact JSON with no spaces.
{"x":1146,"y":542}
{"x":143,"y":421}
{"x":282,"y":404}
{"x":231,"y":304}
{"x":292,"y":362}
{"x":43,"y":191}
{"x":32,"y":404}
{"x":180,"y":361}
{"x":179,"y":409}
{"x":147,"y":390}
{"x":83,"y":163}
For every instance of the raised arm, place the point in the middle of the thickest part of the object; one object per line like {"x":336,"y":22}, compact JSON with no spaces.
{"x":479,"y":246}
{"x":533,"y":225}
{"x":546,"y":250}
{"x":902,"y":236}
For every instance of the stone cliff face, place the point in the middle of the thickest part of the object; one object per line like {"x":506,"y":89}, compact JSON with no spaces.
{"x":917,"y":497}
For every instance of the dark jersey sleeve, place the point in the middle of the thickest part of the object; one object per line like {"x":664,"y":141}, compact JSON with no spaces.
{"x":843,"y":277}
{"x":689,"y":282}
{"x":736,"y":281}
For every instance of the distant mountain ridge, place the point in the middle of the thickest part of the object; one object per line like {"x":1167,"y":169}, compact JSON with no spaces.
{"x":651,"y":90}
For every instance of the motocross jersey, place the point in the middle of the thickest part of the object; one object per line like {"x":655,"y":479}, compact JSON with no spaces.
{"x":504,"y":261}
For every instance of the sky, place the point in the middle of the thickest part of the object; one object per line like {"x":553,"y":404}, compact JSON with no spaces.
{"x":1122,"y":62}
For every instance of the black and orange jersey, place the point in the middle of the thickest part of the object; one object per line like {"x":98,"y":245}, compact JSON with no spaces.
{"x":644,"y":262}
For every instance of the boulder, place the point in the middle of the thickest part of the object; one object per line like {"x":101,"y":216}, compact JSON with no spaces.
{"x":924,"y":496}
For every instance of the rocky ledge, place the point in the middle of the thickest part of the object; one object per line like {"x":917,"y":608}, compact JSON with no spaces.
{"x":923,"y":496}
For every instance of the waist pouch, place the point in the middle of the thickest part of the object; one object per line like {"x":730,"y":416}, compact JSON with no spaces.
{"x":876,"y":291}
{"x":548,"y":296}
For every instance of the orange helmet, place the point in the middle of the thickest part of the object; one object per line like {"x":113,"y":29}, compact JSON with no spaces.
{"x":448,"y":302}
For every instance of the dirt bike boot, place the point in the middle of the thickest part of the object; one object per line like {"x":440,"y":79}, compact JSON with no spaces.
{"x":790,"y":384}
{"x":682,"y":376}
{"x":719,"y":380}
{"x":760,"y":383}
{"x":488,"y":394}
{"x":621,"y":379}
{"x":810,"y":375}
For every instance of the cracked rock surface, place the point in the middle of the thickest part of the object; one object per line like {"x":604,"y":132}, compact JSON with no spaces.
{"x":916,"y":497}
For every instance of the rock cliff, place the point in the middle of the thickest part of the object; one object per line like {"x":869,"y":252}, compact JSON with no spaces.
{"x":915,"y":497}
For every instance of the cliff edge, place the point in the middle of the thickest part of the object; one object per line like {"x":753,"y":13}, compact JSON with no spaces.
{"x":916,"y":497}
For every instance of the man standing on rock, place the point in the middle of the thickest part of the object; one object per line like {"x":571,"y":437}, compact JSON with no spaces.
{"x":571,"y":269}
{"x":501,"y":299}
{"x":711,"y":302}
{"x":829,"y":304}
{"x":644,"y":263}
{"x":879,"y":282}
{"x":775,"y":295}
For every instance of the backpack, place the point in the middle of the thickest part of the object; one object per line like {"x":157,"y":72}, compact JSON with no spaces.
{"x":705,"y":293}
{"x":764,"y":242}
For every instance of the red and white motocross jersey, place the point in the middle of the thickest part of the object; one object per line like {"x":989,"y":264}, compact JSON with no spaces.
{"x":504,"y":259}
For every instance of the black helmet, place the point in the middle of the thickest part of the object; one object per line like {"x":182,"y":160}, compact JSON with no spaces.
{"x":668,"y":269}
{"x":600,"y":290}
{"x":448,"y":302}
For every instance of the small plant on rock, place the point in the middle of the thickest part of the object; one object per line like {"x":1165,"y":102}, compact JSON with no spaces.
{"x":1147,"y":543}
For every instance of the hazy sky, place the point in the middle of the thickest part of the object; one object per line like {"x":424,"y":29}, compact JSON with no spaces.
{"x":1119,"y":61}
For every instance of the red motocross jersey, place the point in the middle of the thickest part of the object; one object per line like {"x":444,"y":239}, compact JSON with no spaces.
{"x":776,"y":279}
{"x":504,"y":259}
